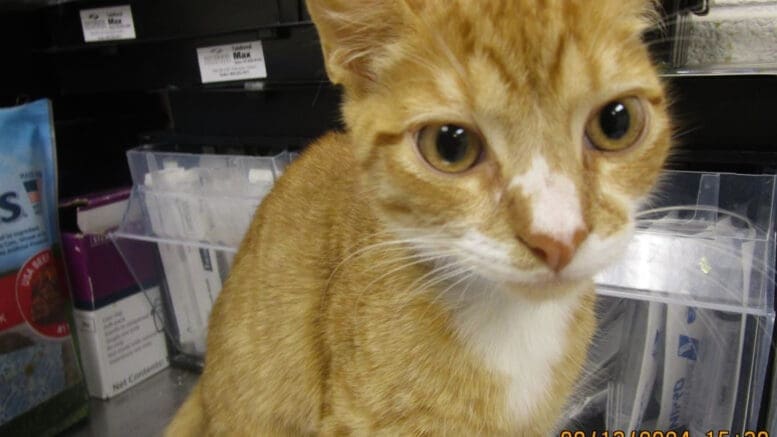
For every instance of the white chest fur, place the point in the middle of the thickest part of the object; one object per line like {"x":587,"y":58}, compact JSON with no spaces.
{"x":519,"y":339}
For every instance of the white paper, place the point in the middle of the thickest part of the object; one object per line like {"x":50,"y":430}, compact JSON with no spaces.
{"x":240,"y":61}
{"x":107,"y":24}
{"x":648,"y":370}
{"x":685,"y":337}
{"x":120,"y":345}
{"x":101,"y":219}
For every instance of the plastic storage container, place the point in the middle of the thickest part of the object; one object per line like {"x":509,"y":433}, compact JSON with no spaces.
{"x":686,"y":316}
{"x":194,"y":210}
{"x":720,"y":37}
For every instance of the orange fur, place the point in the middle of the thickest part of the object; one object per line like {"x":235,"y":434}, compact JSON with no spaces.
{"x":341,"y":316}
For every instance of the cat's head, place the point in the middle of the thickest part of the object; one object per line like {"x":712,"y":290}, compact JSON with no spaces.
{"x":513,"y":137}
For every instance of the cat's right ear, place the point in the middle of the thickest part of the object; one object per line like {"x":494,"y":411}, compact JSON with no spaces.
{"x":354,"y":35}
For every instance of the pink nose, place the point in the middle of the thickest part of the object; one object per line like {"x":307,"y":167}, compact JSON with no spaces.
{"x":556,"y":254}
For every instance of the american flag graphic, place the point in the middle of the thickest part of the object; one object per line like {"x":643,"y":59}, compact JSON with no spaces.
{"x":32,"y":187}
{"x":33,"y":190}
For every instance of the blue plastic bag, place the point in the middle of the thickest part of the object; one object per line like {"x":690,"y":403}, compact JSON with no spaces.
{"x":41,"y":386}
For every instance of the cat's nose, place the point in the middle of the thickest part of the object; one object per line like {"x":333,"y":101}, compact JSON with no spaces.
{"x":555,"y":253}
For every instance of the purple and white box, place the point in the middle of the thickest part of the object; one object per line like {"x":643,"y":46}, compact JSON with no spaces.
{"x":119,"y":328}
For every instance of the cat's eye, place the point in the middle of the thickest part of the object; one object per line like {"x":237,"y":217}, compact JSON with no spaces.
{"x":618,"y":125}
{"x":450,"y":148}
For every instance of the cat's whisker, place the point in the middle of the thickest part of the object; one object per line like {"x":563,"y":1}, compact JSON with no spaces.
{"x":413,"y":291}
{"x":484,"y":294}
{"x":495,"y":267}
{"x":436,"y":270}
{"x":359,"y":295}
{"x":420,"y":260}
{"x":738,"y":296}
{"x":588,"y":374}
{"x":701,"y":230}
{"x":735,"y":253}
{"x":712,"y":328}
{"x":696,"y":208}
{"x":675,"y":39}
{"x":661,"y":19}
{"x":695,"y":228}
{"x":681,"y":133}
{"x":439,"y":232}
{"x":433,"y":252}
{"x":468,"y":275}
{"x":424,"y":280}
{"x":402,"y":243}
{"x":407,"y":297}
{"x":393,"y":261}
{"x":395,"y":234}
{"x":463,"y":293}
{"x":467,"y":278}
{"x":387,"y":247}
{"x":465,"y":272}
{"x":757,"y":264}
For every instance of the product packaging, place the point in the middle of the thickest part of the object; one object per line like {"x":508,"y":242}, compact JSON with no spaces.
{"x":41,"y":385}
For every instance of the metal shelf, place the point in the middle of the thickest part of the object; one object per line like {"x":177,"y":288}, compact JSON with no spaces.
{"x":143,"y":410}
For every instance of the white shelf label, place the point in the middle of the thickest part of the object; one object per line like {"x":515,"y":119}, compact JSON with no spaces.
{"x":107,"y":24}
{"x":230,"y":62}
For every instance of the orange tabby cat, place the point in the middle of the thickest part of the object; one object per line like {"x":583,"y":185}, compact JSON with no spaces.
{"x":428,"y":271}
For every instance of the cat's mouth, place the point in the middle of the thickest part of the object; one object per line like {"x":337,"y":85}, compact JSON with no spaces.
{"x":512,"y":275}
{"x":493,"y":261}
{"x":535,"y":284}
{"x":458,"y":262}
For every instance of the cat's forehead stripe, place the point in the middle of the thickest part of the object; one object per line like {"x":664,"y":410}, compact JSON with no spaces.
{"x":449,"y":87}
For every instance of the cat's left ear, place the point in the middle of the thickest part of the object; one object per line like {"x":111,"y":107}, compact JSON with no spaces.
{"x":354,"y":35}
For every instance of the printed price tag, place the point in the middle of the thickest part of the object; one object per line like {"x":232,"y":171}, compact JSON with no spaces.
{"x":107,"y":24}
{"x":230,"y":62}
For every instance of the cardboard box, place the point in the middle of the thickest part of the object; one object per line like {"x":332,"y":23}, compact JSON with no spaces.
{"x":117,"y":318}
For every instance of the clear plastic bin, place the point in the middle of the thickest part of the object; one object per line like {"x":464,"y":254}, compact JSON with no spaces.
{"x":721,"y":37}
{"x":686,"y":316}
{"x":193,"y":209}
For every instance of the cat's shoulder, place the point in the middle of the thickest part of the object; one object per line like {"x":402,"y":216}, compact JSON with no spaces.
{"x":331,"y":146}
{"x":328,"y":157}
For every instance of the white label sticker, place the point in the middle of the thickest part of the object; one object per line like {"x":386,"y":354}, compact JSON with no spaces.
{"x":108,"y":24}
{"x":232,"y":62}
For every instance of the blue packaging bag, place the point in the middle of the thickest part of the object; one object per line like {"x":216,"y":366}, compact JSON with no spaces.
{"x":41,"y":385}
